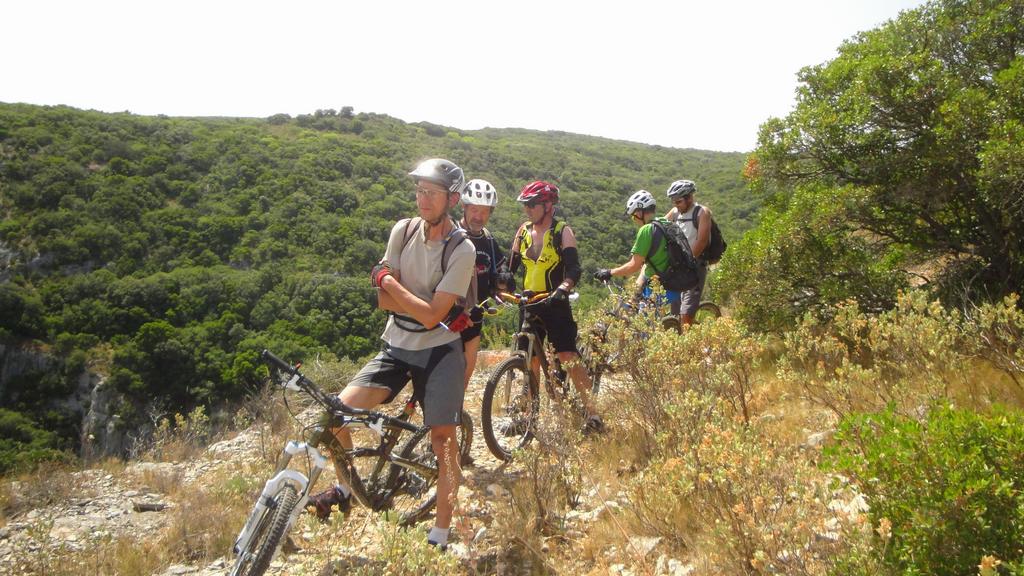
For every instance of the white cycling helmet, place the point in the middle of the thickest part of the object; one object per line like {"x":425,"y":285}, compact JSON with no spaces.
{"x":479,"y":192}
{"x":681,"y":188}
{"x":640,"y":200}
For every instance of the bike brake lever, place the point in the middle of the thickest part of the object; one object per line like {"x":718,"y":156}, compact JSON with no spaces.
{"x":293,"y":382}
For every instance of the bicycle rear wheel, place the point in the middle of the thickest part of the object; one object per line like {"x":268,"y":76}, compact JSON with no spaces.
{"x":465,"y":433}
{"x":508,"y":415}
{"x":415,"y":493}
{"x":255,"y":559}
{"x":708,"y":311}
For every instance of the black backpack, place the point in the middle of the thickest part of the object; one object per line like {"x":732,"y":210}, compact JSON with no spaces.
{"x":716,"y":243}
{"x":681,"y":273}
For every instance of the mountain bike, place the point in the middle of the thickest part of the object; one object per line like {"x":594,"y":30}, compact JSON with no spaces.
{"x":601,"y":356}
{"x":380,"y":477}
{"x":512,"y":400}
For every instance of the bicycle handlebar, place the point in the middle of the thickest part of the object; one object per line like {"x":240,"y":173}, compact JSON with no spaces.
{"x":523,"y":300}
{"x":281,"y":365}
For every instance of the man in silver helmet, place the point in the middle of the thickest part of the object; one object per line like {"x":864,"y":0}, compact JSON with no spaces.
{"x":695,"y":220}
{"x":426,"y":268}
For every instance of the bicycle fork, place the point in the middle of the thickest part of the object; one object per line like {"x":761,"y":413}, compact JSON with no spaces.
{"x":283,"y":475}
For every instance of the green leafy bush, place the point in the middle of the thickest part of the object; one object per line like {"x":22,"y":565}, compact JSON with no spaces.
{"x":23,"y":444}
{"x":951,"y":487}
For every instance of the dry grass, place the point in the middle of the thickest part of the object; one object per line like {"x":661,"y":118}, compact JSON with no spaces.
{"x":49,"y":484}
{"x":201,"y":527}
{"x":160,"y":479}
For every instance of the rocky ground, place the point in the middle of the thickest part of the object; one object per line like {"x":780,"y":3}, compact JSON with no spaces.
{"x":135,"y":504}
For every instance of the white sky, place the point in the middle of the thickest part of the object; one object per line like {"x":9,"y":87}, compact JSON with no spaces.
{"x":677,"y":73}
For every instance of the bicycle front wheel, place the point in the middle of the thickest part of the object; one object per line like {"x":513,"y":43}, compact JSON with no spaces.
{"x":510,"y":406}
{"x":255,"y":559}
{"x":591,"y":363}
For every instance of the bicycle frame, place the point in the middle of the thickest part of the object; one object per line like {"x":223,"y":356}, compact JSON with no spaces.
{"x":388,"y":428}
{"x":552,"y":370}
{"x":286,"y":493}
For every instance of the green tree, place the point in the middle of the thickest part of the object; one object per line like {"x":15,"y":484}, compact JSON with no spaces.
{"x":805,"y":257}
{"x":176,"y":248}
{"x":23,"y":443}
{"x":21,"y":311}
{"x":924,"y":115}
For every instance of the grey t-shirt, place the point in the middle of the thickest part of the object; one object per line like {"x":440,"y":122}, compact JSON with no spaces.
{"x":419,"y":265}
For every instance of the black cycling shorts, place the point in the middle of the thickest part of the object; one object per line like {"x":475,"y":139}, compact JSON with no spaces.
{"x":559,"y":325}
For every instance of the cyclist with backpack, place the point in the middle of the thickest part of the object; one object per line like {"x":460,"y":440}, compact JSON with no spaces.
{"x":695,"y":221}
{"x":651,"y":247}
{"x":546,"y":248}
{"x":426,"y":269}
{"x":479,"y":199}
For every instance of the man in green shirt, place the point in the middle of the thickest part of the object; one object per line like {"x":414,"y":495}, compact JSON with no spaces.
{"x":641,"y":208}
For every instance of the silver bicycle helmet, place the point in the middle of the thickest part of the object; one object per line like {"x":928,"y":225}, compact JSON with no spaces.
{"x":681,"y":188}
{"x":442,"y":172}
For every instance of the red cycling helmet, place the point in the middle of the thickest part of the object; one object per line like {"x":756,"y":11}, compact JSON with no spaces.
{"x":539,"y":191}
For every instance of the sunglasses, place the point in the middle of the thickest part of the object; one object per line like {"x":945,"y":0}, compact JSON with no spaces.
{"x":531,"y":204}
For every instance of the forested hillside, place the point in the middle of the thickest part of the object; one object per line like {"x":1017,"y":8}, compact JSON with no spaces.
{"x":165,"y":252}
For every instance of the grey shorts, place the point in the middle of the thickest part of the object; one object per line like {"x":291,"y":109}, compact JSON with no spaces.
{"x":437,"y":376}
{"x":689,"y":300}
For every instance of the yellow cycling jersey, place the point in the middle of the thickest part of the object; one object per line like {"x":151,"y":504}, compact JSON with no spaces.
{"x":546,"y":272}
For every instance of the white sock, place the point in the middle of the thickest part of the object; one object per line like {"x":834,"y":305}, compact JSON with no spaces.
{"x":438,"y":536}
{"x":343,"y":489}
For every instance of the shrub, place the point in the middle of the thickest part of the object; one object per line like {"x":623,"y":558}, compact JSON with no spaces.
{"x":715,"y":360}
{"x":533,"y":512}
{"x":908,"y":357}
{"x":744,"y":501}
{"x":951,"y":486}
{"x":406,"y":553}
{"x":998,"y":331}
{"x":180,"y":437}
